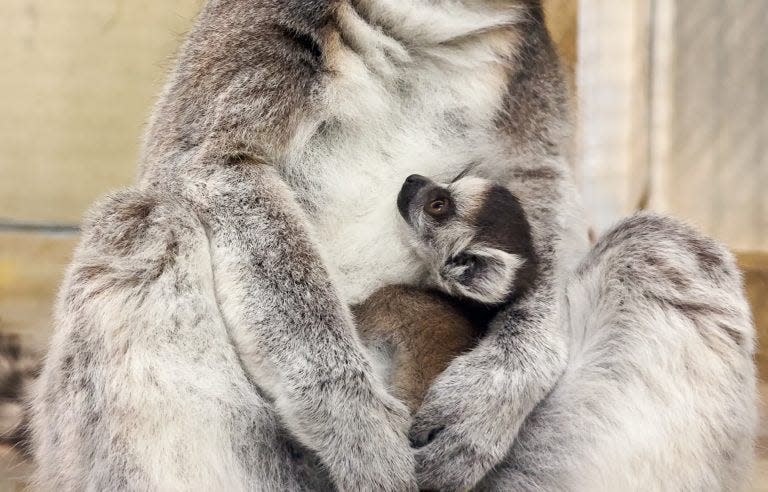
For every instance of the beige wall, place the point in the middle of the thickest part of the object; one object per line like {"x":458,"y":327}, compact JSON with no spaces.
{"x":562,"y":20}
{"x":713,"y":164}
{"x":673,"y":113}
{"x":78,"y":80}
{"x":612,"y":79}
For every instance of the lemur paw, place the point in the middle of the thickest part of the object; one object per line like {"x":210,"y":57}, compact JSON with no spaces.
{"x":461,"y":432}
{"x":382,"y":460}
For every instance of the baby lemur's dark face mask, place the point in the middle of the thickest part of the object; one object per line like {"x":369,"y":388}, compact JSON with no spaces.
{"x":473,"y":234}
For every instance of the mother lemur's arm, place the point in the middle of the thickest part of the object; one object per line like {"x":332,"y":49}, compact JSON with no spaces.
{"x":247,"y":77}
{"x":293,"y":334}
{"x":473,"y":412}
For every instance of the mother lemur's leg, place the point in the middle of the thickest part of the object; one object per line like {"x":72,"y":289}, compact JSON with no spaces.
{"x":293,"y":334}
{"x":142,"y":388}
{"x":659,"y":393}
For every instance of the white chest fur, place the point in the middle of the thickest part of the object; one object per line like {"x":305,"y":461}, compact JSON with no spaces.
{"x":389,"y":110}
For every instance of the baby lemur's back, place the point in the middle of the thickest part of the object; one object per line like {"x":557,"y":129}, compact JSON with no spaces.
{"x":414,"y":333}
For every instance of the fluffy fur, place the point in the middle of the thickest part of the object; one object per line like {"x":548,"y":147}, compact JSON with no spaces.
{"x":477,"y":243}
{"x":414,"y":334}
{"x":202,"y":337}
{"x":174,"y":307}
{"x":524,"y":352}
{"x":659,"y":389}
{"x":206,"y":306}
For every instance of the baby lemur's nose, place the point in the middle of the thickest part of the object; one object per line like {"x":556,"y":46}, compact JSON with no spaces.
{"x":414,"y":179}
{"x":411,"y":187}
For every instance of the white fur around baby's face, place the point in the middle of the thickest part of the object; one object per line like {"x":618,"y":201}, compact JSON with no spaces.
{"x":472,"y":234}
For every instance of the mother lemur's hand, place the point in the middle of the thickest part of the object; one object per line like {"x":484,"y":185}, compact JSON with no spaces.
{"x":460,"y":431}
{"x":472,"y":413}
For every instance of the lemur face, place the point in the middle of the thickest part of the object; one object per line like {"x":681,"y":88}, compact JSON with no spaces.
{"x":474,"y":235}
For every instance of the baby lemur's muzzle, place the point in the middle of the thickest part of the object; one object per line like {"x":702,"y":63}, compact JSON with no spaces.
{"x":410,"y":189}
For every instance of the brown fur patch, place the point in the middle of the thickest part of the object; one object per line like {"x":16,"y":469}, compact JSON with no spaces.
{"x":426,"y":329}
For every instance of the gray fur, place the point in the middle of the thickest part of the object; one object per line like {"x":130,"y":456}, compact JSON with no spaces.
{"x":198,"y":315}
{"x":170,"y":383}
{"x":203,"y":339}
{"x":659,"y":388}
{"x":659,"y":392}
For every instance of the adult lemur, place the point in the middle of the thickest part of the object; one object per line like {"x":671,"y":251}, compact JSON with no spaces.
{"x":203,"y":339}
{"x":658,"y":392}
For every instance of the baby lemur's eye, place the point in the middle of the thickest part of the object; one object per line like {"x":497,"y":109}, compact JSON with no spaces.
{"x":438,"y":206}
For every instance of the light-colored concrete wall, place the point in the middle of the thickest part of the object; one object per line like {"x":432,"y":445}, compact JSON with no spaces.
{"x":612,"y":82}
{"x":673,"y":107}
{"x":78,"y":80}
{"x":714,"y":168}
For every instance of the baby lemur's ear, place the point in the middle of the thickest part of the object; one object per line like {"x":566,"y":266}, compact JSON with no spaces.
{"x":481,"y":273}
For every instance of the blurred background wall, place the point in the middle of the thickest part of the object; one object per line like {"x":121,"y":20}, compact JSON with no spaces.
{"x":77,"y":82}
{"x":671,"y":99}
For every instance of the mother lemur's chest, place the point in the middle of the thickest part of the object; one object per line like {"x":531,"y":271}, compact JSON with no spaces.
{"x":373,"y":133}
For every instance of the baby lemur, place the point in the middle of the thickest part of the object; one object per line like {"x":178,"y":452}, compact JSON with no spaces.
{"x":475,"y":238}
